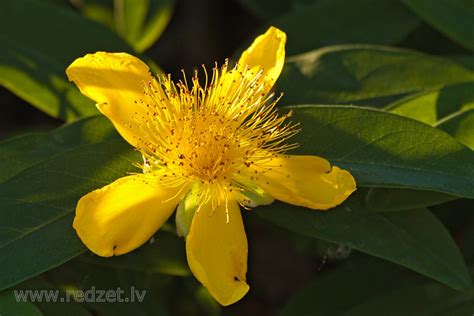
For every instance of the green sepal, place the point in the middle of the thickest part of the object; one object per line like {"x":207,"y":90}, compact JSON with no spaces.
{"x":254,"y":196}
{"x":249,"y":194}
{"x":185,"y":212}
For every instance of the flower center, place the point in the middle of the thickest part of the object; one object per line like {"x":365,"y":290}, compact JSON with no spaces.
{"x":210,"y":133}
{"x":210,"y":145}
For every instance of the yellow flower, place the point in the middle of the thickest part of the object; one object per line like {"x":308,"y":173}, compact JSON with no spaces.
{"x":207,"y":149}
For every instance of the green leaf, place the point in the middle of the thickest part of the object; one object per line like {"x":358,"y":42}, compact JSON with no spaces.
{"x":414,"y":299}
{"x":97,"y":10}
{"x":414,"y":239}
{"x":39,"y":40}
{"x":455,"y":18}
{"x":10,"y":306}
{"x":450,"y":109}
{"x":38,"y":204}
{"x":385,"y":150}
{"x":432,"y":106}
{"x":334,"y":291}
{"x":339,"y":22}
{"x":141,"y":22}
{"x":165,"y":254}
{"x":460,"y":126}
{"x":347,"y":290}
{"x":393,"y":199}
{"x":358,"y":73}
{"x":19,"y":153}
{"x":466,"y":61}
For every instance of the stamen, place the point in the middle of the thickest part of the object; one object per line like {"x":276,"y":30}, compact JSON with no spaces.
{"x":208,"y":134}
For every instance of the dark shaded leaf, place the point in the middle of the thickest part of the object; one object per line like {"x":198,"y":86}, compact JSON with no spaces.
{"x":385,"y":150}
{"x":38,"y":204}
{"x":391,"y":199}
{"x":334,"y":22}
{"x":164,"y":255}
{"x":19,"y":153}
{"x":414,"y":239}
{"x":58,"y":304}
{"x":360,"y":73}
{"x":365,"y":286}
{"x":455,"y":18}
{"x":10,"y":306}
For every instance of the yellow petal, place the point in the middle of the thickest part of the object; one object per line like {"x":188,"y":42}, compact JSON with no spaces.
{"x":217,"y":251}
{"x":123,"y":215}
{"x":307,"y":181}
{"x":267,"y":52}
{"x":114,"y":81}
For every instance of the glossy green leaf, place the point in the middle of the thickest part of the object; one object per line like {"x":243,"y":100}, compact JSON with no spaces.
{"x":433,"y":106}
{"x":38,"y":202}
{"x":460,"y":126}
{"x":334,"y":22}
{"x":414,"y":239}
{"x":393,"y":199}
{"x":385,"y":150}
{"x":19,"y":153}
{"x":366,"y":286}
{"x":454,"y":18}
{"x":38,"y":205}
{"x":10,"y":306}
{"x":359,"y":73}
{"x":33,"y":67}
{"x":448,"y":108}
{"x":165,"y":254}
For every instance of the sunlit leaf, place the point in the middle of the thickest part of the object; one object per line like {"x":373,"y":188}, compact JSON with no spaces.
{"x":139,"y":22}
{"x":436,"y":105}
{"x":39,"y":40}
{"x":460,"y":126}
